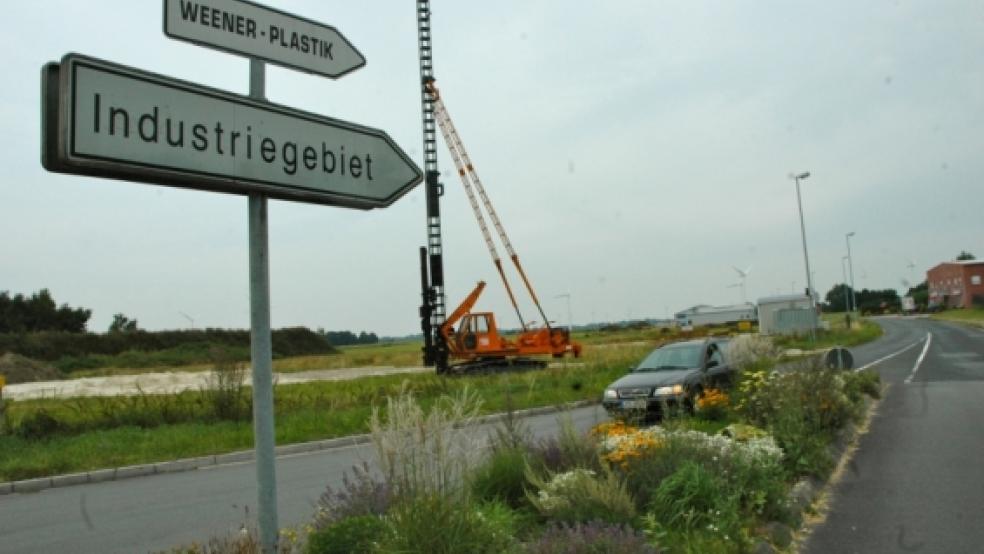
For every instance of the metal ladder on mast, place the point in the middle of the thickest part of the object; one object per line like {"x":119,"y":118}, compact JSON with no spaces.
{"x":433,"y":311}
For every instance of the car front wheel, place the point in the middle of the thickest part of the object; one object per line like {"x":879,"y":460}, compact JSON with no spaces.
{"x":693,"y":401}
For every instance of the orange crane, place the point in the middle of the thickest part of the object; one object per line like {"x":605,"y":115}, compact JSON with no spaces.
{"x":477,"y":342}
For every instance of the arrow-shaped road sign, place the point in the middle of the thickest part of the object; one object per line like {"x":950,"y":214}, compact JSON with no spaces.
{"x":109,"y":120}
{"x":257,"y":31}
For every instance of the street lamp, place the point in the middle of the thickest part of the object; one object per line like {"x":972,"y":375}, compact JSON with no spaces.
{"x":570,"y":322}
{"x":847,"y":299}
{"x":850,"y":266}
{"x":809,"y":280}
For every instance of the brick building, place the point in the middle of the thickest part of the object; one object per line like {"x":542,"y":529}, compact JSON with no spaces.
{"x":956,"y":284}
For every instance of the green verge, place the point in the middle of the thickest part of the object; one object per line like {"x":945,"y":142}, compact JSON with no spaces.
{"x":973,"y":316}
{"x":861,"y":332}
{"x":305,"y":412}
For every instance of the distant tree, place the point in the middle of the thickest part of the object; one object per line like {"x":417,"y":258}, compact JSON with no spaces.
{"x":964,"y":255}
{"x":920,"y":295}
{"x":837,"y":298}
{"x":122,"y":324}
{"x":878,"y":301}
{"x":21,"y":314}
{"x":343,"y":338}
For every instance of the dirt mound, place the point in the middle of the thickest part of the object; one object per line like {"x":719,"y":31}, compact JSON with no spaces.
{"x":18,"y":369}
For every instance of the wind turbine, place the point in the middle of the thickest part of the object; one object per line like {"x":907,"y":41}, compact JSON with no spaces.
{"x":743,"y":275}
{"x":189,"y":318}
{"x":912,"y":267}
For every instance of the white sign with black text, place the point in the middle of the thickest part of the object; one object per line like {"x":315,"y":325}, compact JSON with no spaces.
{"x":260,"y":32}
{"x":121,"y":122}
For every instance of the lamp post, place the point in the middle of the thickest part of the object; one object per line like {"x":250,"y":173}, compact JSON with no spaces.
{"x":570,"y":321}
{"x":806,"y":257}
{"x":847,"y":299}
{"x":850,"y":267}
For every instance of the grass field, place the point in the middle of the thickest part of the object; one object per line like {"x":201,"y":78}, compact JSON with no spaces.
{"x":974,"y":316}
{"x":305,"y":412}
{"x":861,"y":331}
{"x":88,"y":433}
{"x":402,"y":354}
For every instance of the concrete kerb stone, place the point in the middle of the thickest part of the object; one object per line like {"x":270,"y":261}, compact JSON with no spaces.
{"x":141,"y":470}
{"x":185,"y":464}
{"x":102,"y":475}
{"x":234,"y":457}
{"x":70,"y":479}
{"x":189,"y":464}
{"x":32,"y":485}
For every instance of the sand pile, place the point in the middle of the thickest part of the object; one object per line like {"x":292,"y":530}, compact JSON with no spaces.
{"x":18,"y":369}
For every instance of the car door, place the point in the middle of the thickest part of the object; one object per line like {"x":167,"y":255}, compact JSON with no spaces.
{"x":716,"y":370}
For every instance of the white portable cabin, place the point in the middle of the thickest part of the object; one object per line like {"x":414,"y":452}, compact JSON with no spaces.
{"x":786,"y":314}
{"x":715,"y":315}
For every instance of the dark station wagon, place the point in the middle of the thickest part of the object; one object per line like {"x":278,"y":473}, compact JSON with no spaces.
{"x":671,"y":377}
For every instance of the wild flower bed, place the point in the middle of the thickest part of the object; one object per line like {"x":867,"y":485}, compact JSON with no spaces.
{"x":672,"y":487}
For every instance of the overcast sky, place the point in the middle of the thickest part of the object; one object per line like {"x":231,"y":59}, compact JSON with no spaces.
{"x":635,"y":152}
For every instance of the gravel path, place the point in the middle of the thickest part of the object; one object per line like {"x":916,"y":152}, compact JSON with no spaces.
{"x":177,"y":381}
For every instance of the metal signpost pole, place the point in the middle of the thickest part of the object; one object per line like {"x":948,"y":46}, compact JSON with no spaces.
{"x":850,"y":267}
{"x":806,"y":257}
{"x":847,"y":299}
{"x":261,"y":348}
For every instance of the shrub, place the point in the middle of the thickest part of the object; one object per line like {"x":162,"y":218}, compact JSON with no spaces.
{"x":37,"y":425}
{"x":590,"y":538}
{"x":694,"y":498}
{"x":859,"y":383}
{"x":353,"y":535}
{"x":502,"y":477}
{"x":225,"y":388}
{"x":247,"y":541}
{"x":431,"y":523}
{"x":751,"y":469}
{"x":825,"y":399}
{"x":750,"y":352}
{"x":622,"y":443}
{"x":427,"y":453}
{"x":568,"y":450}
{"x":185,"y":346}
{"x":579,"y":496}
{"x":805,"y":449}
{"x":359,"y":495}
{"x":512,"y":432}
{"x":506,"y":524}
{"x":713,"y":405}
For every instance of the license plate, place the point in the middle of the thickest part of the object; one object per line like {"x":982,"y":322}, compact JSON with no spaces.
{"x":634,"y":404}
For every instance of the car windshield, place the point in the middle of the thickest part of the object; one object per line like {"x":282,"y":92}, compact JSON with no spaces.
{"x":682,"y":356}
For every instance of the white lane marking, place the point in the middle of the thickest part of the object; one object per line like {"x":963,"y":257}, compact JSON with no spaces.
{"x":922,"y":356}
{"x":890,"y":356}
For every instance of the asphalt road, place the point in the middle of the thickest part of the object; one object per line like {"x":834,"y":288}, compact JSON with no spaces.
{"x":159,"y":512}
{"x":916,"y":482}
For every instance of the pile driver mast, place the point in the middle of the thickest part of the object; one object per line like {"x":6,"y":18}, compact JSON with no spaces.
{"x":432,"y":309}
{"x":476,"y":344}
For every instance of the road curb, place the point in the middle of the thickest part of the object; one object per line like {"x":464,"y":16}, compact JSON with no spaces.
{"x":189,"y":464}
{"x":808,"y":491}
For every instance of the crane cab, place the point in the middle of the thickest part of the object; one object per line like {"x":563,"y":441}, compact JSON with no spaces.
{"x":478,"y":336}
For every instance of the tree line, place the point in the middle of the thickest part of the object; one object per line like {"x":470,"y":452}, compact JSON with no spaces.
{"x":345,"y":338}
{"x":38,"y":312}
